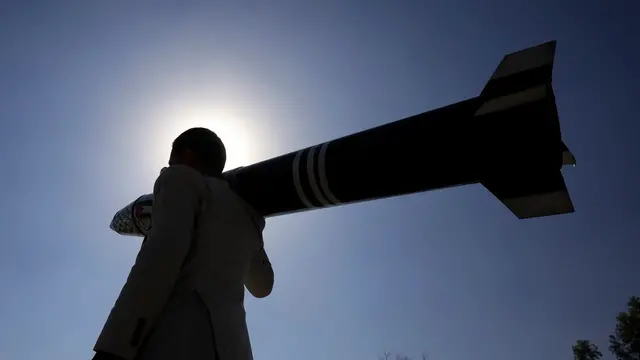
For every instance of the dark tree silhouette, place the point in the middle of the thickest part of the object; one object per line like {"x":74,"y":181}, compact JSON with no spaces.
{"x":585,"y":350}
{"x":624,"y":343}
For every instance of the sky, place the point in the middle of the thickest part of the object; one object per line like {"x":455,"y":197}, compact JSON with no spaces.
{"x":93,"y":92}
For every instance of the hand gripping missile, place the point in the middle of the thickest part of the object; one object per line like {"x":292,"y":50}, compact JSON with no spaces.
{"x":507,"y":138}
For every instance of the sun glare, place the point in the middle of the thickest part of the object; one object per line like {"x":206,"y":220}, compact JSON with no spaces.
{"x":234,"y":132}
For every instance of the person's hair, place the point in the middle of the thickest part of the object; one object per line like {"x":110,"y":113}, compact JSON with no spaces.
{"x":206,"y":146}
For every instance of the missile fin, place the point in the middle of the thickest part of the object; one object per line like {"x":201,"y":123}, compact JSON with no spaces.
{"x":522,"y":70}
{"x":531,"y":195}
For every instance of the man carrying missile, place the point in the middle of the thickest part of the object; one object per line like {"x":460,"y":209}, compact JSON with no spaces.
{"x":184,"y":297}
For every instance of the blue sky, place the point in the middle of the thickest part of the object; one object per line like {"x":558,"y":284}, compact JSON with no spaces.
{"x":94,"y":91}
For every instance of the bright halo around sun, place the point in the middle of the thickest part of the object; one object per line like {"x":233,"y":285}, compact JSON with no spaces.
{"x":234,"y":132}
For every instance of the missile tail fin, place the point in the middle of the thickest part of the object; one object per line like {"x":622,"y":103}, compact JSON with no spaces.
{"x":532,"y":195}
{"x":522,"y":70}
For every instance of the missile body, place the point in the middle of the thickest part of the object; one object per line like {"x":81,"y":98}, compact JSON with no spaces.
{"x":507,"y":138}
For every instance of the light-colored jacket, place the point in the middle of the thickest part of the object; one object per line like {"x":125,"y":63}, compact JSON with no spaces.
{"x":184,"y":297}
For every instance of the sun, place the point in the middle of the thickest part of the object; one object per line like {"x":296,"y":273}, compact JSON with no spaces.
{"x":234,"y":131}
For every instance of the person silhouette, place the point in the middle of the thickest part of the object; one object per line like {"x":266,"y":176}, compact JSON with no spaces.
{"x":184,"y":297}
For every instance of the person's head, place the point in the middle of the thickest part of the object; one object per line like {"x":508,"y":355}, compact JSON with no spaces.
{"x":200,"y":149}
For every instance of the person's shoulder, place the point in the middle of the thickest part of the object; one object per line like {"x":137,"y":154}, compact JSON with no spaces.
{"x":181,"y":177}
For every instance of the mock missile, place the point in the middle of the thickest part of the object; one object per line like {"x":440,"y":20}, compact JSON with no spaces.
{"x":508,"y":139}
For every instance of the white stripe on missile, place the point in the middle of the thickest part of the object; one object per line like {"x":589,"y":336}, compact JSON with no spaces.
{"x":312,"y":178}
{"x":322,"y":171}
{"x":315,"y":184}
{"x":296,"y":180}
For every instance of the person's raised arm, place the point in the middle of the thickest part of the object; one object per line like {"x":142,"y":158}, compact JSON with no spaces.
{"x":259,"y":280}
{"x":177,"y":194}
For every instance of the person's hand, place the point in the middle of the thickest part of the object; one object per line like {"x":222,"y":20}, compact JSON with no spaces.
{"x":105,"y":356}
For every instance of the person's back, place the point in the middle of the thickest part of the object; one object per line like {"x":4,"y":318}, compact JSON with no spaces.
{"x":228,"y":235}
{"x":207,"y":299}
{"x":184,"y":296}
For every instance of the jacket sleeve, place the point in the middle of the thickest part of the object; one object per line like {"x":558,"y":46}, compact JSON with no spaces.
{"x":259,"y":280}
{"x":177,"y":194}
